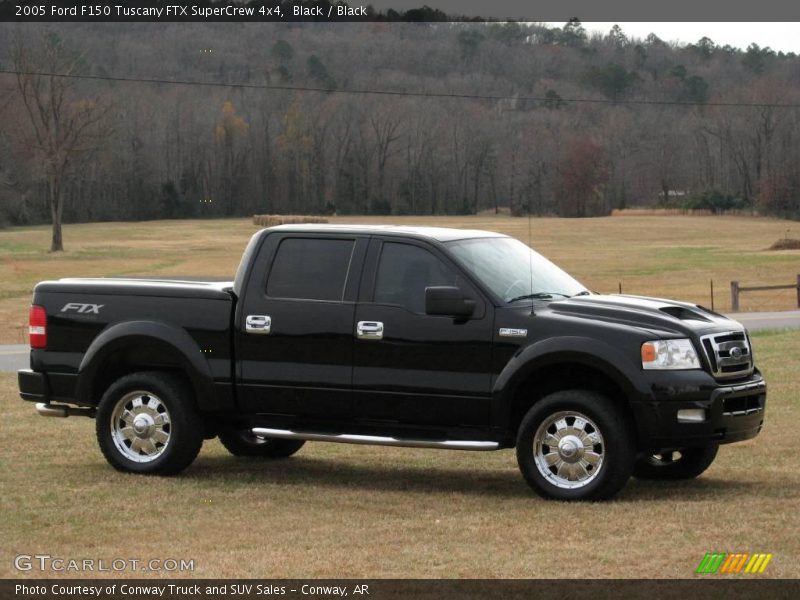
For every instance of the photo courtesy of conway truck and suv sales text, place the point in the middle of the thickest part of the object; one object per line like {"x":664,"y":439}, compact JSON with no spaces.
{"x":397,"y":336}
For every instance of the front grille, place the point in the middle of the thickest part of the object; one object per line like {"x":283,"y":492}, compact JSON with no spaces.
{"x":729,"y":354}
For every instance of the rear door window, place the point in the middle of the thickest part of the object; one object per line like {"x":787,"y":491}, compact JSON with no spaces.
{"x":310,"y":269}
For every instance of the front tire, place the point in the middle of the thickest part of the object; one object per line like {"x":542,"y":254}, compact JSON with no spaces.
{"x":686,"y":463}
{"x":146,"y":423}
{"x":242,"y":442}
{"x":575,"y":445}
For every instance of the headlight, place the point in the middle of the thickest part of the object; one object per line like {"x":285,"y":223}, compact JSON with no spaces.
{"x":669,"y":354}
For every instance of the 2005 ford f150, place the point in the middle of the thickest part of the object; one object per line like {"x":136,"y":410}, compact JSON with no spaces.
{"x":397,"y":336}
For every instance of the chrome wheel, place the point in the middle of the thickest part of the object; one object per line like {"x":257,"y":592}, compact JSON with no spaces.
{"x":568,"y":449}
{"x":239,"y":440}
{"x":140,"y":426}
{"x":248,"y":437}
{"x":666,"y":458}
{"x":676,"y":463}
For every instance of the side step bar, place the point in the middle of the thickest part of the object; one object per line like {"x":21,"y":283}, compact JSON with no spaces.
{"x":62,"y":410}
{"x":374,"y":440}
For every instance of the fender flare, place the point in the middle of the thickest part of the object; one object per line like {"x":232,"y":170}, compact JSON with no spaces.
{"x":590,"y":352}
{"x":176,"y":341}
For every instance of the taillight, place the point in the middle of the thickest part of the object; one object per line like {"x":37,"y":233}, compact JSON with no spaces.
{"x":37,"y":326}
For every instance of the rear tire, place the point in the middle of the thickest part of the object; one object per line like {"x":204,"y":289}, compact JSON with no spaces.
{"x":242,"y":442}
{"x":665,"y":466}
{"x":147,"y":423}
{"x":575,"y":445}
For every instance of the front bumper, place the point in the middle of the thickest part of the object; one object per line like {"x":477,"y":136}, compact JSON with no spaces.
{"x":733,"y":411}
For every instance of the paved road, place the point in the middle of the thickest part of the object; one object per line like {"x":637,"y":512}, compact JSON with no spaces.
{"x":755,"y":321}
{"x":15,"y":356}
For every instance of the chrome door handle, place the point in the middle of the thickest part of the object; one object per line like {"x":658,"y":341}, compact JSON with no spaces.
{"x":257,"y":324}
{"x":369,"y":330}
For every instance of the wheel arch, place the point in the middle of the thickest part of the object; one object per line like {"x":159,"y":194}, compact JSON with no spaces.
{"x":563,"y":363}
{"x":143,"y":346}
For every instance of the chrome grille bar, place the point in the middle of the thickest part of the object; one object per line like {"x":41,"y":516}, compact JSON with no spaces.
{"x":729,"y":354}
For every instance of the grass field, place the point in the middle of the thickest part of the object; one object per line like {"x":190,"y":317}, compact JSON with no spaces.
{"x":349,"y":511}
{"x":661,"y":256}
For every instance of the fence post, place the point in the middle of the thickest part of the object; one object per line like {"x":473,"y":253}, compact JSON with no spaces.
{"x":734,"y":296}
{"x":712,"y":293}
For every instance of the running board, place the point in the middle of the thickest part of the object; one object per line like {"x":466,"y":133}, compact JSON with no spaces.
{"x":373,"y":440}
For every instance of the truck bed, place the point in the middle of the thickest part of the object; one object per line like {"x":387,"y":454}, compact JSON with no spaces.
{"x":83,"y":314}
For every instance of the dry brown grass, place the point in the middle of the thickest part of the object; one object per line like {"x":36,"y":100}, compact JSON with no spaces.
{"x":666,"y":256}
{"x":350,"y":511}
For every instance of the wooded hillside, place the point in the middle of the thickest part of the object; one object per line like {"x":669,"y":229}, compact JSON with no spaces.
{"x":700,"y":126}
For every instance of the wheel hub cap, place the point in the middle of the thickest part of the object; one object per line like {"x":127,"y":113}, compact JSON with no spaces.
{"x":570,"y":448}
{"x":143,"y":426}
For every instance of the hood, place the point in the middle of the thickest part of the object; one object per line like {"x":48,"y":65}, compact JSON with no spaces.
{"x":657,"y":315}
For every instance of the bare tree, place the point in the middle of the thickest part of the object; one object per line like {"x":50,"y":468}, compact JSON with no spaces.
{"x":62,"y":126}
{"x":386,"y":127}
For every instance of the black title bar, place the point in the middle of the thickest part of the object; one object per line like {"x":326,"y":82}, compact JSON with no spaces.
{"x":708,"y":588}
{"x":330,"y":11}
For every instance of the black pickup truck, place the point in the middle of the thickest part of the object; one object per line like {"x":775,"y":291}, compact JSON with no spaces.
{"x":397,"y":336}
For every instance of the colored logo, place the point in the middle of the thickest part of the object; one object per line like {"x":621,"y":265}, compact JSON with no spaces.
{"x":741,"y":562}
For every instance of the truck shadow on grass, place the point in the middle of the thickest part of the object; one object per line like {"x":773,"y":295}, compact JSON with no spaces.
{"x":330,"y":473}
{"x":236,"y":473}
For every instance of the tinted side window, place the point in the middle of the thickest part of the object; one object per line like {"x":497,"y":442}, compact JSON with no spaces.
{"x":310,"y":269}
{"x":404,"y":271}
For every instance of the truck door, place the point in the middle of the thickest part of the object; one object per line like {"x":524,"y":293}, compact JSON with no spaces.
{"x":410,"y":367}
{"x":295,"y":326}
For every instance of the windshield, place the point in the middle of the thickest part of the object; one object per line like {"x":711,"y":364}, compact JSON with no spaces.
{"x":505,"y":266}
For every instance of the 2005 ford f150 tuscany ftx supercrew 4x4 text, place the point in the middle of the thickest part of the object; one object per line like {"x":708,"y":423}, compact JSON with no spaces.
{"x":398,"y":336}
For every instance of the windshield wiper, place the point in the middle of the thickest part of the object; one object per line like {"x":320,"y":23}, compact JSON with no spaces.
{"x":538,"y":296}
{"x":583,"y":293}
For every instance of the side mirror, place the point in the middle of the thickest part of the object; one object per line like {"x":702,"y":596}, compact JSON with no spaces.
{"x":448,"y":301}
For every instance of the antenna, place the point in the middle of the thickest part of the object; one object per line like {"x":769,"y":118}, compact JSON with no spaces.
{"x":530,"y":249}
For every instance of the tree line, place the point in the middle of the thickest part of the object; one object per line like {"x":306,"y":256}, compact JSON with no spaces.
{"x":547,"y":120}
